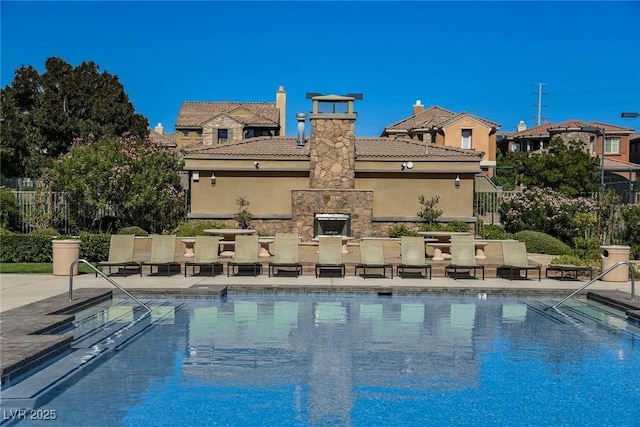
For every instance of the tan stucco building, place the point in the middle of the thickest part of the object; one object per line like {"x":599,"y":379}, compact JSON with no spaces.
{"x":365,"y":184}
{"x":436,"y":125}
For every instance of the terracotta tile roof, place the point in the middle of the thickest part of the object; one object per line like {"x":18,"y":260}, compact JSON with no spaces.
{"x":434,"y":116}
{"x":193,"y":113}
{"x":165,"y":140}
{"x":288,"y":147}
{"x":429,"y":117}
{"x":402,"y":147}
{"x":612,"y":164}
{"x":544,"y":131}
{"x":265,"y":146}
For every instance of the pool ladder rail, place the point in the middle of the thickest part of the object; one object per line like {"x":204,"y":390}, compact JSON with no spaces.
{"x":107,"y":278}
{"x":613,"y":267}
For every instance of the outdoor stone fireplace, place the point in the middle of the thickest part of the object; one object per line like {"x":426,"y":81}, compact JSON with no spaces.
{"x":331,"y":224}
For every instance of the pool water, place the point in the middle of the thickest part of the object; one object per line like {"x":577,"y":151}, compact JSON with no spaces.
{"x":287,"y":360}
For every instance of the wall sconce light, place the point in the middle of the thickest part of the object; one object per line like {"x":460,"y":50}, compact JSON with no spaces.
{"x":408,"y":165}
{"x":213,"y":179}
{"x":457,"y":181}
{"x":195,"y":176}
{"x":257,"y":165}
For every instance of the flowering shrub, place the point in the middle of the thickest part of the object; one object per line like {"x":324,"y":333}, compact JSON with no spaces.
{"x":546,"y":211}
{"x":631,"y":217}
{"x":136,"y":178}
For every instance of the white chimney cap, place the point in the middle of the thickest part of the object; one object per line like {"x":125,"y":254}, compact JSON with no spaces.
{"x":418,"y":102}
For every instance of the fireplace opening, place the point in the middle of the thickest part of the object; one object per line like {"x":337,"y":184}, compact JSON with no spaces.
{"x":332,"y":225}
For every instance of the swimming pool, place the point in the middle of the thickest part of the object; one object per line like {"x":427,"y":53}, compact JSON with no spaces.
{"x":331,"y":360}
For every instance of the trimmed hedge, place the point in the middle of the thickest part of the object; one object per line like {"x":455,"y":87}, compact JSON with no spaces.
{"x":38,"y":248}
{"x":541,"y":243}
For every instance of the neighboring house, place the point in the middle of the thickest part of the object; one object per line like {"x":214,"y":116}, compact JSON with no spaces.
{"x":634,"y":148}
{"x":619,"y":171}
{"x":331,"y":180}
{"x":212,"y":123}
{"x":442,"y":127}
{"x":158,"y":135}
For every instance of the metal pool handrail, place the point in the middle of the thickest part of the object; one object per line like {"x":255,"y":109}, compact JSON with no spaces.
{"x":618,"y":264}
{"x":109,"y":279}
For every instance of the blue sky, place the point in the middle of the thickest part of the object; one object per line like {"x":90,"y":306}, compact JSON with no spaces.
{"x":485,"y":58}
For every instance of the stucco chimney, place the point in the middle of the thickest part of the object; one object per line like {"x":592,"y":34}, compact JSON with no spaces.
{"x":281,"y":105}
{"x":522,"y":126}
{"x":418,"y":107}
{"x":159,"y":129}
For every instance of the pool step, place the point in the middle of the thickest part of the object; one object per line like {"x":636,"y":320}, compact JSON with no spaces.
{"x":32,"y":391}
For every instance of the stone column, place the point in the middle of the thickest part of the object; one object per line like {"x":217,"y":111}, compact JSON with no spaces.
{"x":332,"y":153}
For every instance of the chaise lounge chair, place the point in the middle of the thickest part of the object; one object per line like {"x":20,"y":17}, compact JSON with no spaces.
{"x":515,"y":259}
{"x":206,"y":256}
{"x":163,"y":254}
{"x":372,"y":257}
{"x":413,"y":256}
{"x":330,"y":255}
{"x":120,"y":253}
{"x":463,"y":256}
{"x":286,"y":255}
{"x":245,"y":257}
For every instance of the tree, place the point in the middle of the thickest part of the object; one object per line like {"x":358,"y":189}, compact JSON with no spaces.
{"x":136,"y":178}
{"x":563,"y":167}
{"x":243,"y":216}
{"x":43,"y":113}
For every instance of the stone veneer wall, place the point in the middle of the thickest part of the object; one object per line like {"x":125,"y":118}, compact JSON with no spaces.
{"x":357,"y":203}
{"x":332,"y":153}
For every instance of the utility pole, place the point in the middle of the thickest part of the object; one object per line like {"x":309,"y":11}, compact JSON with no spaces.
{"x":539,"y":105}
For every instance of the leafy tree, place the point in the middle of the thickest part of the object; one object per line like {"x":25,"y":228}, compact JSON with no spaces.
{"x":42,"y":114}
{"x":564,"y":167}
{"x":136,"y":178}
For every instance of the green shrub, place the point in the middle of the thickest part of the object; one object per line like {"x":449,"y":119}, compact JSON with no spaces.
{"x":541,"y":243}
{"x":187,"y":229}
{"x":135,"y":230}
{"x":458,"y":226}
{"x":94,"y":247}
{"x":588,"y":248}
{"x":26,"y":248}
{"x":399,"y":231}
{"x":432,"y":227}
{"x":5,"y":232}
{"x":575,"y":260}
{"x":46,"y":232}
{"x":493,"y":232}
{"x":9,"y":211}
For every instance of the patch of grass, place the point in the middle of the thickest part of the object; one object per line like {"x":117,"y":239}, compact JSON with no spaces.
{"x":35,"y":268}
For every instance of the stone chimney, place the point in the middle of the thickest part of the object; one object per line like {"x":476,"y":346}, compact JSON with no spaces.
{"x":159,"y":129}
{"x":281,"y":105}
{"x":332,"y":141}
{"x":418,"y":107}
{"x":522,"y":126}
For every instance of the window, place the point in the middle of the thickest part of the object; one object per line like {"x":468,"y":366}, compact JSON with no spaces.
{"x":266,"y":132}
{"x":199,"y":134}
{"x":611,"y":145}
{"x":185,"y":134}
{"x":466,"y":138}
{"x":515,"y":146}
{"x":248,"y":133}
{"x":223,"y":135}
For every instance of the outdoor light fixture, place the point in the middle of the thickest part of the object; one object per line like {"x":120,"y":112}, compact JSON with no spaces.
{"x":408,"y":165}
{"x":630,"y":115}
{"x":457,"y":181}
{"x":195,"y":175}
{"x":598,"y":131}
{"x":213,"y":179}
{"x":257,"y":165}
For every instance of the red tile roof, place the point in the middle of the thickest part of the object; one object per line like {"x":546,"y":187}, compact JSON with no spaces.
{"x":544,"y":130}
{"x":195,"y":114}
{"x":434,"y":116}
{"x":288,"y":147}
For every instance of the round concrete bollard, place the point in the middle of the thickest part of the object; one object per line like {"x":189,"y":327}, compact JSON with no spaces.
{"x":64,"y":253}
{"x":611,"y":255}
